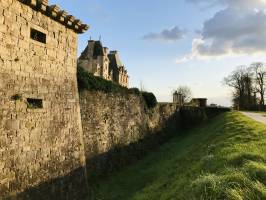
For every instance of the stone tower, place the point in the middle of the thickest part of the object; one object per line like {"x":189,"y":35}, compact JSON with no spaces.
{"x":178,"y":98}
{"x":41,"y":146}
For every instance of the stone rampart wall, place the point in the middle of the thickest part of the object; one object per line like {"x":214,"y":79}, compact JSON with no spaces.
{"x":111,"y":121}
{"x":40,"y":126}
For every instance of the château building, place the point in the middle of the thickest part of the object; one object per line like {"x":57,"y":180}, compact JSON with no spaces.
{"x":98,"y":61}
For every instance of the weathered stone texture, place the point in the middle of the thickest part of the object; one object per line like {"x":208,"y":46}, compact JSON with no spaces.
{"x":37,"y":145}
{"x":109,"y":120}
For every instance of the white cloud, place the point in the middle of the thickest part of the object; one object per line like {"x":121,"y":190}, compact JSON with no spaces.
{"x":231,"y":3}
{"x":237,"y":29}
{"x":172,"y":34}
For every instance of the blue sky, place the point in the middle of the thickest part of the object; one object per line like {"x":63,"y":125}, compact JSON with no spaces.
{"x":155,"y":40}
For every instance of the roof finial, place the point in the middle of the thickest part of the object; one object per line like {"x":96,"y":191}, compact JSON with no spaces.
{"x":100,"y":38}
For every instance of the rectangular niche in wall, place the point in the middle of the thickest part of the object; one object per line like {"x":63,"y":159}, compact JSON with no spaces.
{"x":37,"y":35}
{"x":34,"y":103}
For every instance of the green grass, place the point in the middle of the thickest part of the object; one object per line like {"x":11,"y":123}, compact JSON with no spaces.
{"x":223,"y":159}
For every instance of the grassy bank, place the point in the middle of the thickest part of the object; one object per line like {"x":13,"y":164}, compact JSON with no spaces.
{"x":224,"y":159}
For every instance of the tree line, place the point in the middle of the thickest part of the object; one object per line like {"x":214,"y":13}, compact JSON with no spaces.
{"x":249,"y":86}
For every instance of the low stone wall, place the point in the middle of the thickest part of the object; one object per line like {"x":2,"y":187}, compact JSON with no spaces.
{"x":115,"y":122}
{"x":191,"y":116}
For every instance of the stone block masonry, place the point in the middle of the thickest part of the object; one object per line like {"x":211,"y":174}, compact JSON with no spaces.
{"x":118,"y":129}
{"x":41,"y":144}
{"x":112,"y":120}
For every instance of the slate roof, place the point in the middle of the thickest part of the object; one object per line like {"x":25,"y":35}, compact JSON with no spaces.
{"x":97,"y":50}
{"x":115,"y":61}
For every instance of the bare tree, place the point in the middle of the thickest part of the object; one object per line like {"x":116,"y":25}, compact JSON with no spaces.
{"x":241,"y":82}
{"x":142,"y":87}
{"x":185,"y":91}
{"x":259,"y":74}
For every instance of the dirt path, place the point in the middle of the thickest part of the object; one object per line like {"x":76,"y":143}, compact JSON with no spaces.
{"x":256,"y":116}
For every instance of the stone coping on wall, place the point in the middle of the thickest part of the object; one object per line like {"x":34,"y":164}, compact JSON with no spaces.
{"x":54,"y":12}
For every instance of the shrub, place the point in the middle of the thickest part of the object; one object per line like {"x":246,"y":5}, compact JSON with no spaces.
{"x":87,"y":81}
{"x":150,"y":99}
{"x":135,"y":91}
